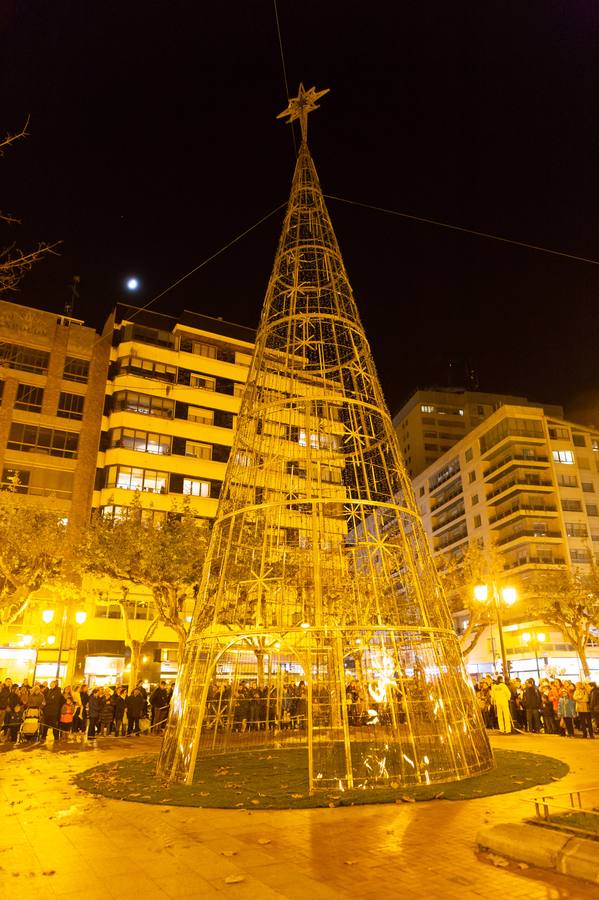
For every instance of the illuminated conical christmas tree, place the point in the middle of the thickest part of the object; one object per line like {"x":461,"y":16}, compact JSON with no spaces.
{"x":320,"y":621}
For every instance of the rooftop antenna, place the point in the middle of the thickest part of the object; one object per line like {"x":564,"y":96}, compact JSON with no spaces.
{"x":69,"y":304}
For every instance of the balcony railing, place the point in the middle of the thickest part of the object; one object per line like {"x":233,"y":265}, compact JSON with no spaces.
{"x":515,"y":457}
{"x":444,"y":499}
{"x":534,"y":561}
{"x":515,"y":536}
{"x":519,"y":482}
{"x":522,"y":508}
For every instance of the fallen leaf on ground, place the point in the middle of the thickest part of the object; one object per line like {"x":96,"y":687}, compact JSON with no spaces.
{"x":228,"y":852}
{"x":406,"y":799}
{"x":234,"y":879}
{"x":264,"y":841}
{"x":498,"y":860}
{"x":49,"y":872}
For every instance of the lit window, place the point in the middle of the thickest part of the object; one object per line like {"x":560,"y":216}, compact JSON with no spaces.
{"x":196,"y":488}
{"x":563,"y":456}
{"x":427,"y":409}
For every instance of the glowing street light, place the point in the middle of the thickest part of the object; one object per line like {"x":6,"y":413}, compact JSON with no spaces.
{"x":132,"y":284}
{"x":535,"y":639}
{"x":507,"y":595}
{"x":48,"y":617}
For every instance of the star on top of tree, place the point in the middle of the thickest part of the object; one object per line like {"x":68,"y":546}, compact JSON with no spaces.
{"x":301,"y":106}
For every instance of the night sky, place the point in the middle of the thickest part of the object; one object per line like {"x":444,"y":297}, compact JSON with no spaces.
{"x":153,"y":142}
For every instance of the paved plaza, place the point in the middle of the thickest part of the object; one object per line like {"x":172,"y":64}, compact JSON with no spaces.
{"x":57,"y":841}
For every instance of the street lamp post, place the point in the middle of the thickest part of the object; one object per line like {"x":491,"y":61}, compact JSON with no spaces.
{"x":534,"y":639}
{"x":48,"y":618}
{"x":508,"y":596}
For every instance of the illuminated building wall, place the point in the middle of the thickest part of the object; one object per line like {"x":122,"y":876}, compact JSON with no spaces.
{"x":529,"y":483}
{"x":433,"y":420}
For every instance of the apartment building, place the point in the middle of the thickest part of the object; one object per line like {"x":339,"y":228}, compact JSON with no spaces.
{"x":87,"y":420}
{"x":435,"y":419}
{"x":527,"y":482}
{"x":52,"y":385}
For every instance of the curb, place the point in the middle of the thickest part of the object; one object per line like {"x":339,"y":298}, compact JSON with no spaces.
{"x":543,"y":847}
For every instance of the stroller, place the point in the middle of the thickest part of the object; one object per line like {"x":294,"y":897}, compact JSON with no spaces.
{"x":30,"y":729}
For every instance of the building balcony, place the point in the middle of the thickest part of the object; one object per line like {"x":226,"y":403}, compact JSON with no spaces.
{"x":519,"y":484}
{"x":523,"y":509}
{"x":518,"y":537}
{"x":513,"y":460}
{"x":454,"y":537}
{"x":536,"y":561}
{"x":448,"y":517}
{"x":444,"y":499}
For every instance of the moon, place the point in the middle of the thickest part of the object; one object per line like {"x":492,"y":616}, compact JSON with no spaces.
{"x":132,"y":284}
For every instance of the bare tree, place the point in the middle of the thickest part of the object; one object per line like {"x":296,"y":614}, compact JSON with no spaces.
{"x":568,"y":600}
{"x":14,"y":262}
{"x":460,"y":574}
{"x":33,"y":551}
{"x":167,"y":559}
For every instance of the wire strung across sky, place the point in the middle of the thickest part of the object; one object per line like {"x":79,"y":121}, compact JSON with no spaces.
{"x":392,"y":212}
{"x":483,"y":234}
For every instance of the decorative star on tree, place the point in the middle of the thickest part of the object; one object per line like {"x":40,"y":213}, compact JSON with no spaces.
{"x":301,"y":106}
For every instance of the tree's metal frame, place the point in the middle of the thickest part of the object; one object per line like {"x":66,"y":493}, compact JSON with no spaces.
{"x":320,"y":620}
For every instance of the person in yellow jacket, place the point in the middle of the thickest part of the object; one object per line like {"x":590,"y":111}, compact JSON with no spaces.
{"x":585,"y":719}
{"x":500,"y":697}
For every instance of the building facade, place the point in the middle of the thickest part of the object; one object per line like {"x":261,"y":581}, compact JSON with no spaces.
{"x":433,"y":420}
{"x":528,"y":484}
{"x":88,"y":420}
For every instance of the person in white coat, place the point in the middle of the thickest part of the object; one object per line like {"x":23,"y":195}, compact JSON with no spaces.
{"x":501,"y":696}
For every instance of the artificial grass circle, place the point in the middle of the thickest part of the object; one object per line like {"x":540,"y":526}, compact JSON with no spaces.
{"x":277,"y":780}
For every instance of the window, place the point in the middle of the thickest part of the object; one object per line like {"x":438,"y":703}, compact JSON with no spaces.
{"x":579,"y":440}
{"x":566,"y":457}
{"x":432,"y":447}
{"x":303,"y":439}
{"x":76,"y":369}
{"x":567,"y":480}
{"x":199,"y":451}
{"x":592,"y":509}
{"x":595,"y":444}
{"x":474,"y":499}
{"x":35,"y":438}
{"x":571,"y":505}
{"x":202,"y":381}
{"x":471,"y":476}
{"x":148,"y":336}
{"x":421,"y":492}
{"x":147,"y":368}
{"x":574,"y":529}
{"x":202,"y":416}
{"x":29,"y":398}
{"x":427,"y":409}
{"x":70,"y":406}
{"x":203,"y":349}
{"x":130,"y":478}
{"x":559,"y":434}
{"x":25,"y":358}
{"x":142,"y":441}
{"x":477,"y":521}
{"x":469,"y":454}
{"x":196,"y":488}
{"x":16,"y":480}
{"x":582,"y":556}
{"x":145,"y":404}
{"x":587,"y":487}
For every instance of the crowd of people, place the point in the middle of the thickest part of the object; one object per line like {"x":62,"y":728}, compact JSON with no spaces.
{"x":553,"y":706}
{"x":78,"y":713}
